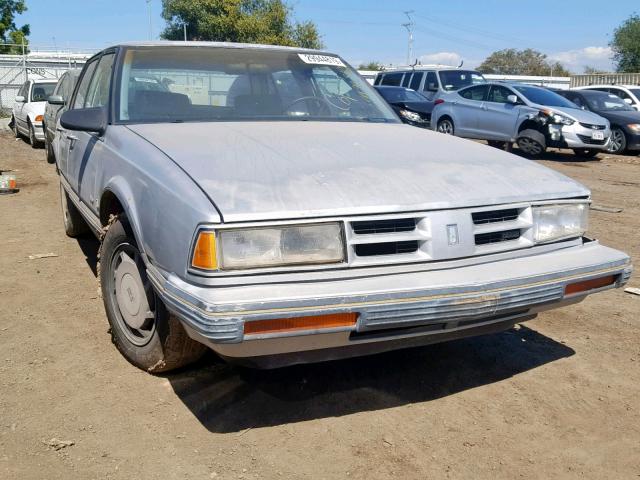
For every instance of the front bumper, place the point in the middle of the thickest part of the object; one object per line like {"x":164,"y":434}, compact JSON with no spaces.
{"x":394,"y":311}
{"x":577,"y":136}
{"x":38,"y":130}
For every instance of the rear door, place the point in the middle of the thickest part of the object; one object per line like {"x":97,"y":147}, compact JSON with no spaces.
{"x":19,"y":110}
{"x":467,"y":108}
{"x":430,"y":88}
{"x":498,"y":118}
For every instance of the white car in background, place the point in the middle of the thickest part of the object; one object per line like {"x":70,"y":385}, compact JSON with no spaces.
{"x":629,"y":93}
{"x":28,"y":109}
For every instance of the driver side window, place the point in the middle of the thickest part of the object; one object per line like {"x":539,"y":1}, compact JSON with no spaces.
{"x":83,"y":88}
{"x":499,"y":94}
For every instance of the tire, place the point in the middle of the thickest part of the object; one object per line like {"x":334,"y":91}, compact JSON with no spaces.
{"x":618,"y":142}
{"x":32,"y":136}
{"x":51,"y":157}
{"x":74,"y":224}
{"x":142,"y":329}
{"x":446,"y":126}
{"x":16,"y":132}
{"x":585,"y":152}
{"x":532,"y":143}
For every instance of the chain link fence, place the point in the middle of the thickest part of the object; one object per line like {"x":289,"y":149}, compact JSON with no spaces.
{"x":36,"y":63}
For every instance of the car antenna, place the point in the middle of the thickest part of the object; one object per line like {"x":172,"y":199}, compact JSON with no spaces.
{"x":413,"y":65}
{"x":461,"y":63}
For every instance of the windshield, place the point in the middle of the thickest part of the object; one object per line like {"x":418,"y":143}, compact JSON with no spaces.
{"x":452,"y":80}
{"x":542,"y":96}
{"x":177,"y":84}
{"x":41,"y":91}
{"x":395,"y":95}
{"x":607,"y":102}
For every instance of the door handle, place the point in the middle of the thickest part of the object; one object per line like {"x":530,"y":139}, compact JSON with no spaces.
{"x":72,"y":138}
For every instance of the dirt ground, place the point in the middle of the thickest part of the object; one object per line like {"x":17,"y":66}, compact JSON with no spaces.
{"x":557,"y":397}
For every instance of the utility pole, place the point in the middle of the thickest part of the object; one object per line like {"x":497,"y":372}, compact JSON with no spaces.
{"x":184,"y":27}
{"x":150,"y":22}
{"x":409,"y":26}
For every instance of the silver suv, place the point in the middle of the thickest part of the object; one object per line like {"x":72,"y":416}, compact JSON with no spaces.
{"x":535,"y":118}
{"x":430,"y":81}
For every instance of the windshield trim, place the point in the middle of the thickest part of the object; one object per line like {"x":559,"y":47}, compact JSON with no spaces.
{"x":117,"y":84}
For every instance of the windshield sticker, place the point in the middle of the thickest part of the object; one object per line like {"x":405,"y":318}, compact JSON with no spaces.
{"x":321,"y":60}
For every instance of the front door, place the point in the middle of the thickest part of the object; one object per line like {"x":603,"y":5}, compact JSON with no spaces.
{"x":498,"y":118}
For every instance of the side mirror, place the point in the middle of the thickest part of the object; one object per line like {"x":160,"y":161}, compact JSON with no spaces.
{"x":55,"y":100}
{"x":628,"y":101}
{"x":432,"y":87}
{"x":20,"y":99}
{"x":85,"y":120}
{"x":513,"y":99}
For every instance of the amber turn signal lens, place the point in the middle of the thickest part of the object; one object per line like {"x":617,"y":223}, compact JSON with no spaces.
{"x":39,"y":118}
{"x":589,"y":284}
{"x":280,"y":325}
{"x":204,"y":252}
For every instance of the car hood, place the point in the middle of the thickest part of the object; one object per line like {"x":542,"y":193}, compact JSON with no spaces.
{"x":284,"y":170}
{"x":623,"y":117}
{"x":582,"y":116}
{"x":420,"y":107}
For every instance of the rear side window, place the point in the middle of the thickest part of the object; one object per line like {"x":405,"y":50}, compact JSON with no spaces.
{"x":98,"y":95}
{"x":83,"y":88}
{"x":61,"y":85}
{"x":392,"y":79}
{"x":620,"y":93}
{"x":378,"y":79}
{"x":405,"y":81}
{"x":475,"y":93}
{"x":415,"y":80}
{"x":431,"y":83}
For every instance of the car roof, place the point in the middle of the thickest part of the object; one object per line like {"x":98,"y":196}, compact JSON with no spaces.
{"x":393,"y":87}
{"x":171,"y":43}
{"x":422,"y":68}
{"x":607,"y":85}
{"x":44,"y":80}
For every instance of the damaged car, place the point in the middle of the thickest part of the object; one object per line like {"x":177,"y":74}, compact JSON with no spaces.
{"x":269,"y":205}
{"x":534,"y":118}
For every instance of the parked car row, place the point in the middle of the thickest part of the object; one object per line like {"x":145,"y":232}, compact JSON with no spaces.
{"x":587,"y":120}
{"x":267,"y":203}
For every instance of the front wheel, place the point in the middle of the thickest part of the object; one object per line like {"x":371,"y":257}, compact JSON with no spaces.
{"x":51,"y":157}
{"x":585,"y":152}
{"x":142,"y":329}
{"x":531,"y":142}
{"x":33,"y":141}
{"x":446,"y":126}
{"x":618,"y":142}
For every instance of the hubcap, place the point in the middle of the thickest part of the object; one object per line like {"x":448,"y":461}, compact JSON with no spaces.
{"x":617,"y":139}
{"x":529,"y":146}
{"x":445,"y":127}
{"x":132,"y":296}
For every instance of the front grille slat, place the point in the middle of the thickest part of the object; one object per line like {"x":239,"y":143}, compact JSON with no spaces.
{"x":395,"y":225}
{"x":495,"y":216}
{"x":592,"y":126}
{"x":497,"y":237}
{"x":387,"y":248}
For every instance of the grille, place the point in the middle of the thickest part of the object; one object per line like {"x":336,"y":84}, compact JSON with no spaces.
{"x":387,"y":248}
{"x":591,"y":141}
{"x":497,"y":237}
{"x":384,"y":226}
{"x":592,"y":127}
{"x":495,"y":216}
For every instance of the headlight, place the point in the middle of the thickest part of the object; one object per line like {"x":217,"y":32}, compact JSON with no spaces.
{"x":411,"y":116}
{"x":634,"y":127}
{"x":557,"y":222}
{"x":562,"y":119}
{"x":277,"y":246}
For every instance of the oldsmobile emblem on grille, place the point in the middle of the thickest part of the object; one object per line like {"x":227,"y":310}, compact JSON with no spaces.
{"x":452,"y":234}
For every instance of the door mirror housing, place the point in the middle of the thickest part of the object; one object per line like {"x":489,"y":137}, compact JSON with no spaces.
{"x":20,"y":99}
{"x":512,"y":99}
{"x":55,"y":100}
{"x":628,"y":101}
{"x":85,"y":120}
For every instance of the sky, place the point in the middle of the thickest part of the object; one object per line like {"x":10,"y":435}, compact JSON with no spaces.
{"x":576,"y":33}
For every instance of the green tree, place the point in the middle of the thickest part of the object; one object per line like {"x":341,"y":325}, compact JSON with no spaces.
{"x":244,"y":21}
{"x":9,"y":32}
{"x":371,"y":66}
{"x":511,"y":61}
{"x":626,"y":45}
